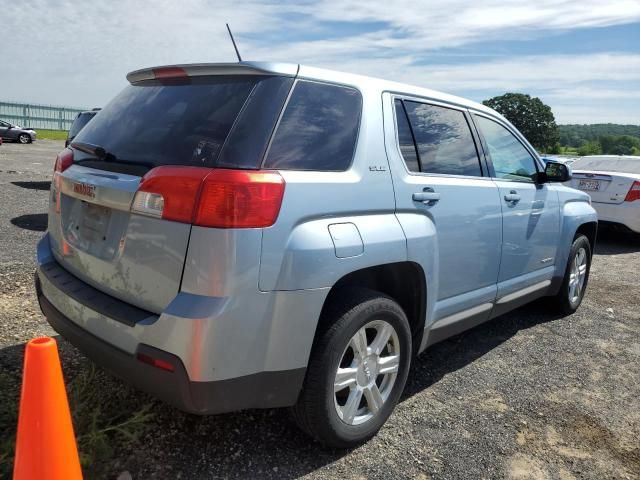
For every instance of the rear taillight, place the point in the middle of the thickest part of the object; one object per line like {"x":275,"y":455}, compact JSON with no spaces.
{"x":206,"y":197}
{"x":633,"y":193}
{"x":63,"y":161}
{"x":170,"y":192}
{"x":240,"y":199}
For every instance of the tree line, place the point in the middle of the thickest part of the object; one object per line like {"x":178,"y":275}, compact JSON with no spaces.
{"x":536,"y":122}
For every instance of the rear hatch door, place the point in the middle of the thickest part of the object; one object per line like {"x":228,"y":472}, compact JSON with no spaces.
{"x":183,"y":122}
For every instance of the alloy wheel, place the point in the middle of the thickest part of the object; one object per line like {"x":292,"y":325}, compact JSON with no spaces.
{"x":367,"y":372}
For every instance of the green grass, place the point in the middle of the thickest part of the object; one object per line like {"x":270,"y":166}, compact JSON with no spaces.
{"x":51,"y":134}
{"x":109,"y":419}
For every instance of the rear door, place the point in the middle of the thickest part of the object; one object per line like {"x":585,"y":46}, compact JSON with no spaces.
{"x":530,"y":212}
{"x":438,"y":175}
{"x":176,"y":122}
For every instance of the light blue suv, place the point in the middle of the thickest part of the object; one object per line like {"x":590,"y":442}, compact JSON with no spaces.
{"x":233,"y":236}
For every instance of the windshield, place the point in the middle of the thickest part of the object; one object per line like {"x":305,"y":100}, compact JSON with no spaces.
{"x":169,"y":123}
{"x":608,"y":164}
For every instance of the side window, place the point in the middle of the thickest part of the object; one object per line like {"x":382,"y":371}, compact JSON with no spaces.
{"x":444,"y":141}
{"x":318,"y":129}
{"x":510,"y":159}
{"x":405,"y":139}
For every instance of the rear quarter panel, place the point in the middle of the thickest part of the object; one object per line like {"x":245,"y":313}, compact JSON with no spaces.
{"x":298,"y":252}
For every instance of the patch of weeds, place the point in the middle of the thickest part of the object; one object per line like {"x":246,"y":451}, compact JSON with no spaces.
{"x":108,"y":419}
{"x":10,"y":391}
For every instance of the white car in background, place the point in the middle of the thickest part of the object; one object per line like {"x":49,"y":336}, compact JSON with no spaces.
{"x":613,"y":182}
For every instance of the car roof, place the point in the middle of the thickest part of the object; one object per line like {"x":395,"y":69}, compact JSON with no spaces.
{"x":361,"y":82}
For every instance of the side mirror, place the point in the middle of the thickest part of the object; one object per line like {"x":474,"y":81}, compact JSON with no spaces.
{"x":555,"y":172}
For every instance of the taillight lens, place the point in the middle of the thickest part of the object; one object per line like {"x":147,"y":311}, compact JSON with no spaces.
{"x":240,"y":199}
{"x":64,"y":160}
{"x":170,"y":192}
{"x":206,"y":197}
{"x":633,"y":193}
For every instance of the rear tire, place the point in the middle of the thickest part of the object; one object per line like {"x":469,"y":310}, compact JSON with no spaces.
{"x":23,"y":138}
{"x":357,"y":370}
{"x":576,"y":276}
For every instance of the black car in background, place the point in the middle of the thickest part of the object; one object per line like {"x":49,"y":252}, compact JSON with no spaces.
{"x":15,"y":133}
{"x":78,"y":124}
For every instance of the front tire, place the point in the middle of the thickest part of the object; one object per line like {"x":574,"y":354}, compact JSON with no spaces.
{"x":576,"y":276}
{"x":357,"y":371}
{"x":23,"y":138}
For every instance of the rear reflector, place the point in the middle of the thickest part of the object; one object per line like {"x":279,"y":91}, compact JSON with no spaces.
{"x":155,"y":362}
{"x":633,"y":193}
{"x":221,"y":198}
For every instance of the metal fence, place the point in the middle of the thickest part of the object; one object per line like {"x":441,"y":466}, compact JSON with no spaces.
{"x":38,"y":116}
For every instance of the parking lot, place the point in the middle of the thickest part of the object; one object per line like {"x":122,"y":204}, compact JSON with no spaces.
{"x":529,"y":395}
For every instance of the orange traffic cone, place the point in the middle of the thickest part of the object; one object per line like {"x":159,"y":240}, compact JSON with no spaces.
{"x":45,"y":444}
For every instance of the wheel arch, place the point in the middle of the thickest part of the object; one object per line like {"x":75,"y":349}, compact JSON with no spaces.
{"x":404,"y":282}
{"x":589,"y":230}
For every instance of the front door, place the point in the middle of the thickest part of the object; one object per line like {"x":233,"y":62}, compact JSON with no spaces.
{"x":444,"y":196}
{"x":530,"y":211}
{"x":4,"y":130}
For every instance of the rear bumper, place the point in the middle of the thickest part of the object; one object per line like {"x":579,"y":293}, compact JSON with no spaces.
{"x":626,"y":213}
{"x":266,"y":389}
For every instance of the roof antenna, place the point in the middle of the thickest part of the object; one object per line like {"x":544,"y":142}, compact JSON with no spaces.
{"x":234,"y":44}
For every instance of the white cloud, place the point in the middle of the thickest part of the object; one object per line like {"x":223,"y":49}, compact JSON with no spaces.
{"x":77,"y":53}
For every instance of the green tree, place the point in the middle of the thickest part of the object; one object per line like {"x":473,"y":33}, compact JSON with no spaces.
{"x":619,"y":144}
{"x":530,"y":116}
{"x":590,"y":148}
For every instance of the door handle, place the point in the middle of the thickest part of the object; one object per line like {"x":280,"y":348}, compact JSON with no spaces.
{"x":426,"y":196}
{"x":512,"y":197}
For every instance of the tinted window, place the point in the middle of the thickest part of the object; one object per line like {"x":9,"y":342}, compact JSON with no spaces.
{"x":247,"y":142}
{"x":81,"y":120}
{"x":318,"y":129}
{"x":405,"y":139}
{"x":180,"y":123}
{"x":444,"y":140}
{"x":510,"y":159}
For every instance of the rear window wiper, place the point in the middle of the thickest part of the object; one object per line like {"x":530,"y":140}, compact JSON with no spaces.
{"x":96,"y":150}
{"x":99,"y":153}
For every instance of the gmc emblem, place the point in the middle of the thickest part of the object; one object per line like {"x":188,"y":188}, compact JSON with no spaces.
{"x":84,"y":189}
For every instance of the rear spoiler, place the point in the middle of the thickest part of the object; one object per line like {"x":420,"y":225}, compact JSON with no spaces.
{"x":208,"y":69}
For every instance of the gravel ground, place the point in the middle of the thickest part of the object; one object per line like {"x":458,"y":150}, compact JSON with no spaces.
{"x":527,"y":396}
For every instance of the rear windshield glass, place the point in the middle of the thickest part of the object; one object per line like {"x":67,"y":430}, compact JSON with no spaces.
{"x":80,"y":121}
{"x":608,"y":164}
{"x":156,"y":123}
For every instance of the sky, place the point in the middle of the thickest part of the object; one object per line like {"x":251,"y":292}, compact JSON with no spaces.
{"x":581,"y":57}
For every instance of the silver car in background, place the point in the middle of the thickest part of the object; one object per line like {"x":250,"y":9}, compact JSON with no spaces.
{"x":613,"y":183}
{"x":15,"y":133}
{"x":232,"y":236}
